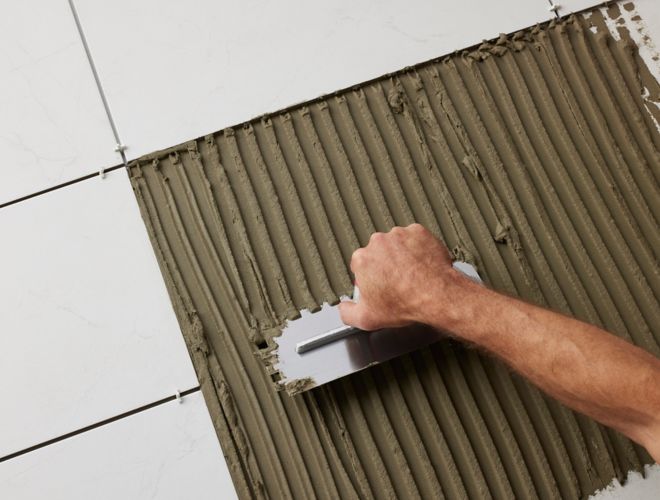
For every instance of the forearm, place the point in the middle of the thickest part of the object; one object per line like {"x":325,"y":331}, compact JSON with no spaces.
{"x":581,"y":365}
{"x":406,"y":277}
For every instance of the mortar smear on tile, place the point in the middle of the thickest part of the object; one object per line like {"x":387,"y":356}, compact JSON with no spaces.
{"x":533,"y":156}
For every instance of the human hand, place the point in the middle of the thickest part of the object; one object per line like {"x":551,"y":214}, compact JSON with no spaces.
{"x":400,"y":275}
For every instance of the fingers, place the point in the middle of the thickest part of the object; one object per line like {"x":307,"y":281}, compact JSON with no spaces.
{"x":415,"y":238}
{"x":354,"y":314}
{"x":416,"y":227}
{"x":349,"y":313}
{"x":375,"y":238}
{"x":360,"y":255}
{"x":420,"y":232}
{"x":356,"y":260}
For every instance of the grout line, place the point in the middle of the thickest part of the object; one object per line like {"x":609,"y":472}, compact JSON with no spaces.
{"x":64,"y":184}
{"x":110,"y":420}
{"x":119,"y":145}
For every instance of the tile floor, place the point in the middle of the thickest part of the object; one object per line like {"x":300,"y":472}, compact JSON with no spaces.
{"x":87,"y":331}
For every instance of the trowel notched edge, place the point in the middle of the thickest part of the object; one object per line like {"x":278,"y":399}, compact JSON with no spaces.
{"x":318,"y":347}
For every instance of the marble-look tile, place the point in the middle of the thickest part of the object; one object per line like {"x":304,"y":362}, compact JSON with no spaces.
{"x":174,"y":70}
{"x":169,"y":452}
{"x":53,"y":127}
{"x":88,"y":331}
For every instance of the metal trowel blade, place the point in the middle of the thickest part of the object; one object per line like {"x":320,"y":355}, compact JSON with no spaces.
{"x":337,"y":350}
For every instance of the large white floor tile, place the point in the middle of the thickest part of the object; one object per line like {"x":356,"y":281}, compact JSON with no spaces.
{"x":636,"y":487}
{"x":169,"y":452}
{"x":87,"y":330}
{"x":53,"y":127}
{"x":176,"y":70}
{"x":565,"y":7}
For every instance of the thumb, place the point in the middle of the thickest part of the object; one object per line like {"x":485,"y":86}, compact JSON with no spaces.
{"x":350,"y":313}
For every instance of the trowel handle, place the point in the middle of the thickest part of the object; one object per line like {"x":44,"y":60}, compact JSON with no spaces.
{"x":345,"y":331}
{"x":325,"y":338}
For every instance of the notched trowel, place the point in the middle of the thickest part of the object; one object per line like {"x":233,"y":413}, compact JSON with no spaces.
{"x":318,"y":348}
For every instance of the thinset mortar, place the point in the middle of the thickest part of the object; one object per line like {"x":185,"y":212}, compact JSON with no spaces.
{"x":533,"y":156}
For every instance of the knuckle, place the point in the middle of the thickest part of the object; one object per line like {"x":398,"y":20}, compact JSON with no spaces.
{"x":375,"y":237}
{"x":357,"y":256}
{"x":367,"y":322}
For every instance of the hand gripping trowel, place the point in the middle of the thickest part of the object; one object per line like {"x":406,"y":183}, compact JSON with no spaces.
{"x":317,"y":348}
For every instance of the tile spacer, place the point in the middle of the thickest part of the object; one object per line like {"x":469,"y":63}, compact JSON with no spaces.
{"x":553,"y":7}
{"x":120,"y":148}
{"x":178,"y":397}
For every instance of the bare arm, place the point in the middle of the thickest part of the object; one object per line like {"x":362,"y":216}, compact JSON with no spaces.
{"x":406,"y":277}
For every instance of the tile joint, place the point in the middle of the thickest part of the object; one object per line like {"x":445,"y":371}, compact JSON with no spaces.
{"x":178,"y":396}
{"x":120,"y":147}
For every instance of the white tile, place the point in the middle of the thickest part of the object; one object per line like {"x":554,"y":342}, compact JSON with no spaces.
{"x":649,"y":10}
{"x":565,"y":7}
{"x":53,"y":127}
{"x":636,"y":487}
{"x":646,"y":31}
{"x":176,"y":70}
{"x":169,"y":452}
{"x":87,"y":330}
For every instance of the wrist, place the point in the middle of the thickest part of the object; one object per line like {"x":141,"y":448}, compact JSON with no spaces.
{"x":450,"y":303}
